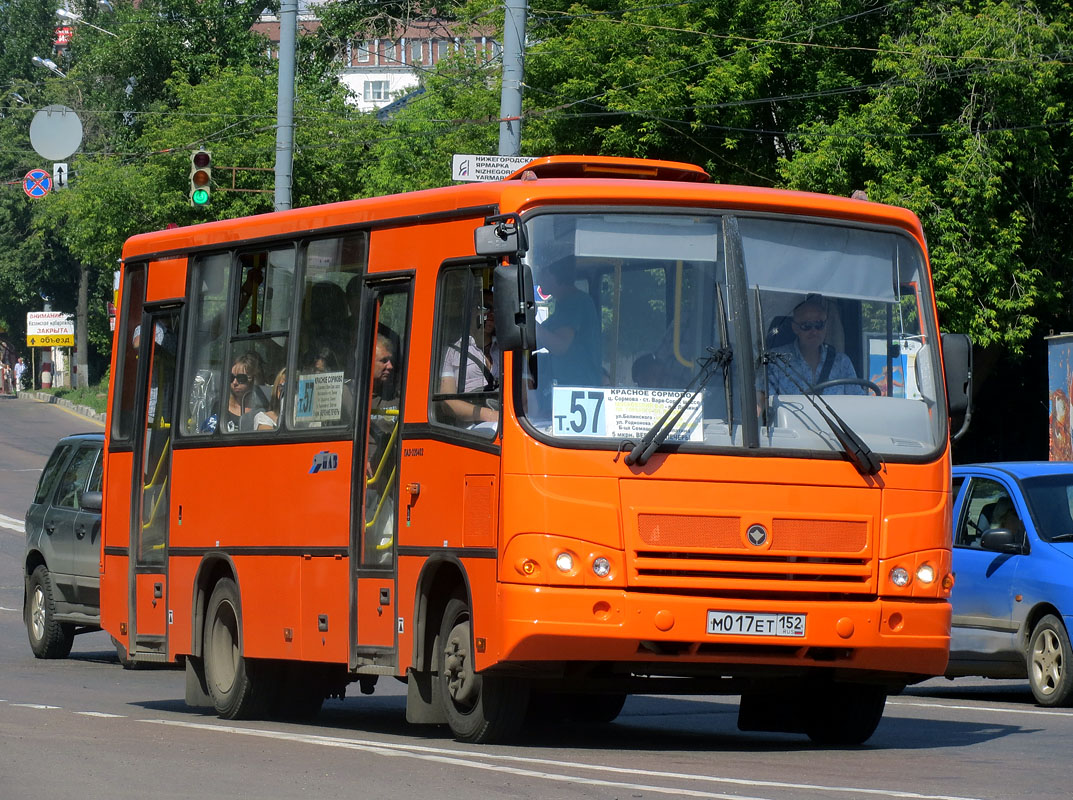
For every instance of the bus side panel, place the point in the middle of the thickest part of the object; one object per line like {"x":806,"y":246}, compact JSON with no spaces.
{"x":485,"y":597}
{"x":264,"y":497}
{"x":325,"y":615}
{"x":270,"y":591}
{"x":407,"y":608}
{"x":114,"y":593}
{"x":115,"y":529}
{"x":182,"y":572}
{"x":284,"y":526}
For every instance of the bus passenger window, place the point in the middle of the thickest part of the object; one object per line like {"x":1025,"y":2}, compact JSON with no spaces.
{"x":205,"y":363}
{"x":323,"y":390}
{"x":467,"y":378}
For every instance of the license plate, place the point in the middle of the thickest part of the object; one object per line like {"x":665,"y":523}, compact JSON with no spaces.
{"x":736,"y":623}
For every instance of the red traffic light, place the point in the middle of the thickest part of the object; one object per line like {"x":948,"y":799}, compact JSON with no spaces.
{"x":201,"y":159}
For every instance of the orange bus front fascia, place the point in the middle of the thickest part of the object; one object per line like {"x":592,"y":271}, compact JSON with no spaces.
{"x":551,"y":492}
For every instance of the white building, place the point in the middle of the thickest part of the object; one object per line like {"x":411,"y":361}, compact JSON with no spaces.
{"x":378,"y":71}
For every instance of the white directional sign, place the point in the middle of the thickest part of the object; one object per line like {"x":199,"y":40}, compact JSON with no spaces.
{"x":59,"y":175}
{"x":485,"y":168}
{"x":49,"y":329}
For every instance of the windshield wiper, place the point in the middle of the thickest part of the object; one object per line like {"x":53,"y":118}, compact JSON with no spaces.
{"x":862,"y":456}
{"x":658,"y":433}
{"x":1061,"y":537}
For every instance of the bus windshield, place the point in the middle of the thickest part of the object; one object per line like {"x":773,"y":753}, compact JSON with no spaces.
{"x":761,"y":329}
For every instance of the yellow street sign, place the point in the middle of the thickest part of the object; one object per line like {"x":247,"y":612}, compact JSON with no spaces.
{"x":57,"y":340}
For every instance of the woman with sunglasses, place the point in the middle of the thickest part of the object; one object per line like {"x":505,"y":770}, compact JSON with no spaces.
{"x":244,"y":394}
{"x":807,"y":361}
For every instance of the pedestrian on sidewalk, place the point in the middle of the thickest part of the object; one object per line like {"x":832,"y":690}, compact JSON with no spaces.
{"x":20,"y":368}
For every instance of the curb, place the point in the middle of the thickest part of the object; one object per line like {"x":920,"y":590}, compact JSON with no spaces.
{"x":45,"y":397}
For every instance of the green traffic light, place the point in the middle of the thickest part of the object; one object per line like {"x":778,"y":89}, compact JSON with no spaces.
{"x":199,"y":197}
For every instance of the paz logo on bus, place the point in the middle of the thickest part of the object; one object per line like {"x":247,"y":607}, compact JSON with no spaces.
{"x":757,"y":535}
{"x":324,"y":462}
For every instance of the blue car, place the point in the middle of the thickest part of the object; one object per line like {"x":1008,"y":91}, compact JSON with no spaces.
{"x":1013,"y":561}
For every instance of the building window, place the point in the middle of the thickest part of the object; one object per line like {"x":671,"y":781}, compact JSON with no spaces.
{"x":387,"y":57}
{"x":415,"y":52}
{"x":363,"y":52}
{"x":443,"y":49}
{"x":376,"y":90}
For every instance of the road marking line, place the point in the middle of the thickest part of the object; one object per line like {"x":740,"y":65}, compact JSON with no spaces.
{"x":5,"y":608}
{"x":1031,"y":711}
{"x":463,"y":758}
{"x":17,"y":525}
{"x":37,"y":706}
{"x":100,"y":714}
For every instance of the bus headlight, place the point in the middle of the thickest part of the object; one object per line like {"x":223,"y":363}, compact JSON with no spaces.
{"x":926,"y":573}
{"x":565,"y":562}
{"x":601,"y":567}
{"x":899,"y":576}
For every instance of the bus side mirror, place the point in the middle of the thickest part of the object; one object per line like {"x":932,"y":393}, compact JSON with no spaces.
{"x":501,"y":235}
{"x":957,"y":363}
{"x":514,"y":307}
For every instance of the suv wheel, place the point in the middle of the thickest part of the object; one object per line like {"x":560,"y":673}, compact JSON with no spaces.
{"x":48,"y":638}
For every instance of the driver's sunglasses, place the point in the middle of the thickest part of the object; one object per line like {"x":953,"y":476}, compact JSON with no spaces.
{"x":241,"y":377}
{"x":815,"y":325}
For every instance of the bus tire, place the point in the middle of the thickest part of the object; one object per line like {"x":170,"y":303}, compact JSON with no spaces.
{"x":239,"y":687}
{"x":845,"y":713}
{"x":48,"y":638}
{"x":1050,"y":660}
{"x":480,"y":709}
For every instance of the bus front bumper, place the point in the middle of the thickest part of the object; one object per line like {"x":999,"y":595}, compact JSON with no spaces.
{"x":893,"y":636}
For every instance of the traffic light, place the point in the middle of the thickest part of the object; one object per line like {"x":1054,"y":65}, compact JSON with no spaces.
{"x":200,"y":177}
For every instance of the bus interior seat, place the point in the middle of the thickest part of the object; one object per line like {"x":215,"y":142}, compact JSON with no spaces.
{"x":780,"y":331}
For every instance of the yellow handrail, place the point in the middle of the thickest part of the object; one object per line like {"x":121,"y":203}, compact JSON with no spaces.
{"x":387,"y":412}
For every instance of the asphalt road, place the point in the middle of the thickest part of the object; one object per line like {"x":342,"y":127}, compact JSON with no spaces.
{"x":86,"y":728}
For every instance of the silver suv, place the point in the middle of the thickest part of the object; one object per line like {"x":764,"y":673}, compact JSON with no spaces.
{"x":63,"y":543}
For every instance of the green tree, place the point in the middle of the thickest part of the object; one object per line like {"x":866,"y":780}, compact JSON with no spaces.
{"x":968,"y":127}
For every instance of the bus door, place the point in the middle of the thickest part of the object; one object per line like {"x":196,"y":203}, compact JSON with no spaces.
{"x":376,"y":490}
{"x":156,"y":341}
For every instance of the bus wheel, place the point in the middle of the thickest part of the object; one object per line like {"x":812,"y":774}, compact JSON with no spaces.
{"x":238,"y":686}
{"x":1049,"y":663}
{"x":845,"y":713}
{"x":479,"y":708}
{"x":48,"y":638}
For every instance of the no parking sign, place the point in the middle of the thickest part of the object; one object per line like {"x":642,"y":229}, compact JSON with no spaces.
{"x":37,"y":183}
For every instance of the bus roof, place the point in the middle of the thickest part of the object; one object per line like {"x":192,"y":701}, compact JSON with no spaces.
{"x":566,"y":180}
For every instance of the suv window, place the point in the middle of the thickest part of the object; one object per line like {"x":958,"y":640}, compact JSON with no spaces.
{"x":76,"y":476}
{"x":51,"y":473}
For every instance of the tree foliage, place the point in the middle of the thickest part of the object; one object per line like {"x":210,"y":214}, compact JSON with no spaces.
{"x":956,"y":109}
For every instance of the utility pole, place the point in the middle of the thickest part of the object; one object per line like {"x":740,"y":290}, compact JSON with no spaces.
{"x":288,"y":33}
{"x":510,"y":102}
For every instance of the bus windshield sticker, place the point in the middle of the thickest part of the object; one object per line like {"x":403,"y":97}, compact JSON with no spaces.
{"x":621,"y":413}
{"x":319,"y":397}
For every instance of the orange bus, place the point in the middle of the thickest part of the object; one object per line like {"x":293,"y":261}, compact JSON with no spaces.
{"x":533,"y":445}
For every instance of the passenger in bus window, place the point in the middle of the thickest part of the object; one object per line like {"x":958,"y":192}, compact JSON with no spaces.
{"x":572,"y":333}
{"x":808,"y":361}
{"x":269,"y":420}
{"x":325,"y":360}
{"x":647,"y":372}
{"x":480,"y":373}
{"x":244,"y":395}
{"x":383,"y":372}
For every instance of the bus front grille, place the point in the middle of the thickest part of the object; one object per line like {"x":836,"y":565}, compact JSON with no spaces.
{"x":715,"y":553}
